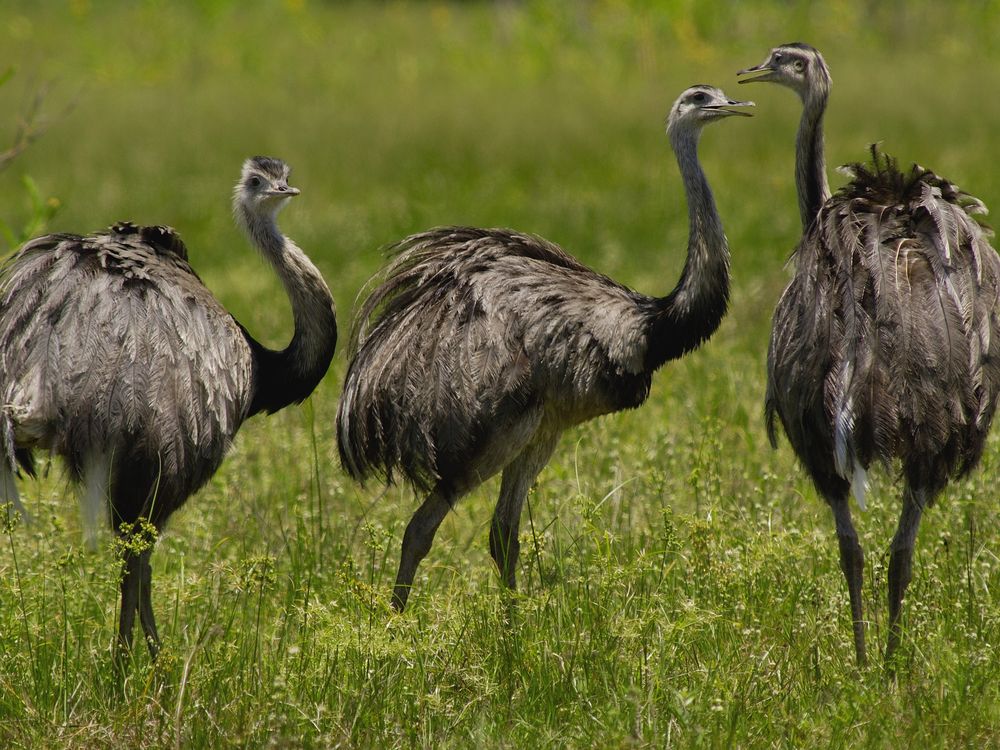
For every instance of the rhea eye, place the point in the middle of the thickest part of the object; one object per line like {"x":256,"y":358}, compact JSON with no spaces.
{"x":699,"y":97}
{"x":254,"y":182}
{"x":777,"y":57}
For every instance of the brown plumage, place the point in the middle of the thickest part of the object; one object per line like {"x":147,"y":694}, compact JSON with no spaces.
{"x":884,"y":346}
{"x":114,"y":356}
{"x":480,"y":346}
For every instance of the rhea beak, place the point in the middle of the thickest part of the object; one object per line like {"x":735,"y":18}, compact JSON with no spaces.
{"x":758,"y":73}
{"x":284,"y":191}
{"x":731,"y":107}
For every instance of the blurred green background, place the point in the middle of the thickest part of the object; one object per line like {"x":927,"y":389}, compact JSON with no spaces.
{"x":682,"y":585}
{"x":541,"y":116}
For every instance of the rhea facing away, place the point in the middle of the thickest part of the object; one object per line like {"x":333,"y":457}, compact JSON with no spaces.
{"x":480,"y":346}
{"x":115,"y":356}
{"x":885,"y":345}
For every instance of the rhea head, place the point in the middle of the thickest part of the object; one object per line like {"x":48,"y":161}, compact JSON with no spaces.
{"x":700,"y":105}
{"x":797,"y":66}
{"x":263,"y":188}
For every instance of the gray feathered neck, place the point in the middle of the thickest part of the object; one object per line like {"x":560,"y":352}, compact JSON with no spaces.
{"x":693,"y":310}
{"x":810,"y":161}
{"x":288,"y":376}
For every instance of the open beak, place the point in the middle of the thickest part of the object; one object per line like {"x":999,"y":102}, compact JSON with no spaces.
{"x":731,"y":107}
{"x":762,"y":72}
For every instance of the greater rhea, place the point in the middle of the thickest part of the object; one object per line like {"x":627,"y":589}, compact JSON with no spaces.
{"x":480,"y":346}
{"x":115,"y":356}
{"x":885,"y":343}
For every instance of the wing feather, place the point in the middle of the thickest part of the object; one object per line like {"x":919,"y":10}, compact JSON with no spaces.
{"x":904,"y":275}
{"x":464,"y":321}
{"x":111,"y":342}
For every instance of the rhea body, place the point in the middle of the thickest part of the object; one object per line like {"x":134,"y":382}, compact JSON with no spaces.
{"x":884,"y":346}
{"x":479,"y":347}
{"x":115,"y":356}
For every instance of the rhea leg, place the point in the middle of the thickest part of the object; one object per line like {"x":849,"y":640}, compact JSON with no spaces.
{"x":852,"y":562}
{"x":136,"y":597}
{"x":129,"y":604}
{"x":505,"y":444}
{"x":901,"y":562}
{"x":417,"y":541}
{"x":517,"y":479}
{"x":139,"y":517}
{"x":146,"y":618}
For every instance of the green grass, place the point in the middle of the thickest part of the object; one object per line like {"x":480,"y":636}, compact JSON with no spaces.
{"x":680,"y":583}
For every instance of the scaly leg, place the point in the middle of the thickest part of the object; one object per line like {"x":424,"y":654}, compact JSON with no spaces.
{"x":517,"y":479}
{"x":417,"y":542}
{"x":136,"y":597}
{"x":901,"y":562}
{"x":146,"y":617}
{"x":852,"y":562}
{"x":130,"y":585}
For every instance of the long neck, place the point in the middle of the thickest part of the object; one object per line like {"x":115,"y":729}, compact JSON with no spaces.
{"x":690,"y":313}
{"x":810,"y":164}
{"x":288,"y":376}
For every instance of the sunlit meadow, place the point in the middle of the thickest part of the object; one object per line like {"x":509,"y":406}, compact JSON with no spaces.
{"x":680,"y":583}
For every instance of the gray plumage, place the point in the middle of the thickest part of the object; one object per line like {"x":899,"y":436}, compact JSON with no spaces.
{"x":480,"y":346}
{"x":115,"y":356}
{"x":884,"y":345}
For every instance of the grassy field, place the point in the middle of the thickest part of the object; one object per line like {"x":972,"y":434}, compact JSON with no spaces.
{"x":680,"y":583}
